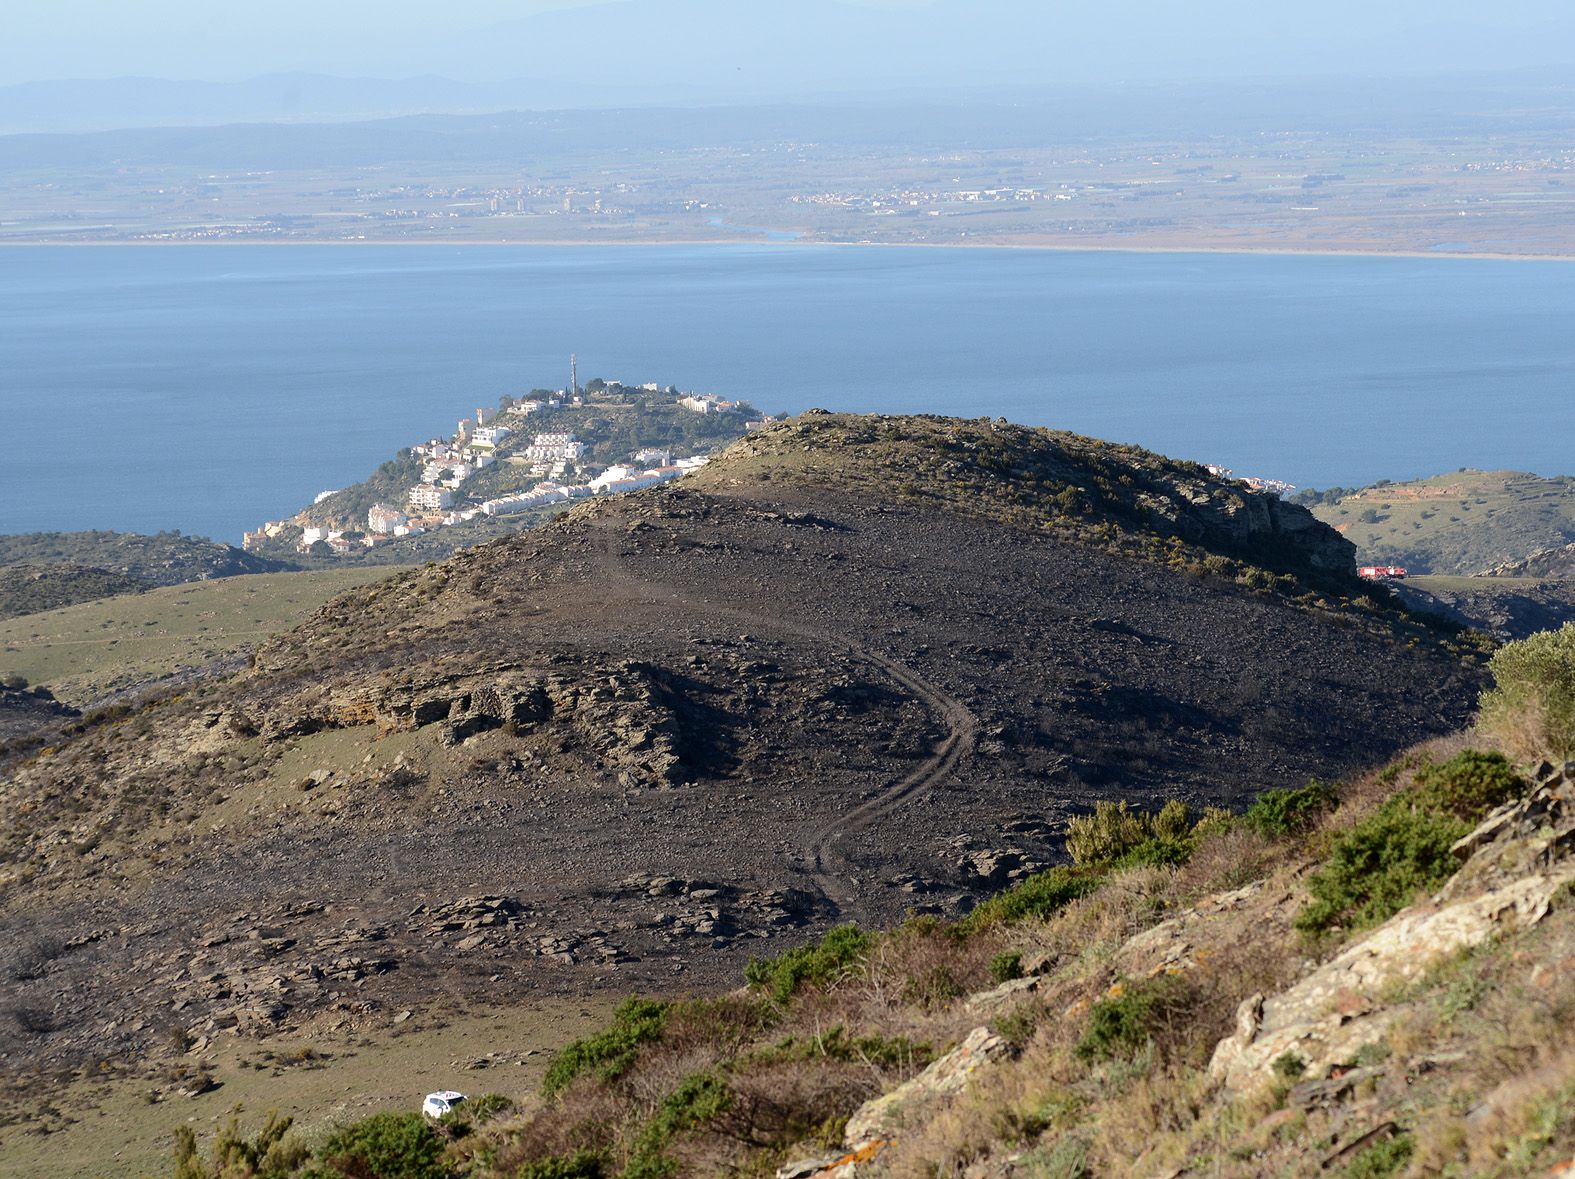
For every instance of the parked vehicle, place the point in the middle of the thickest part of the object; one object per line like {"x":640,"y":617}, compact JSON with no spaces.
{"x":439,"y":1103}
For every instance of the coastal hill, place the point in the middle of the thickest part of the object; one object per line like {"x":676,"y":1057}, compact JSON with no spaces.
{"x":166,"y":558}
{"x":1461,"y":524}
{"x":48,"y":570}
{"x":860,"y":667}
{"x":603,"y":426}
{"x":28,"y":589}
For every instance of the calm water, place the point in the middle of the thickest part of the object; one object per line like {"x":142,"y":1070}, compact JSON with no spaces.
{"x":208,"y":389}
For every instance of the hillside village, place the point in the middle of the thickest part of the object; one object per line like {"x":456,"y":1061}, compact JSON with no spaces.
{"x":517,"y":463}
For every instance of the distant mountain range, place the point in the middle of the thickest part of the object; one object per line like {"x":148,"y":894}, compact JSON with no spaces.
{"x":720,"y":52}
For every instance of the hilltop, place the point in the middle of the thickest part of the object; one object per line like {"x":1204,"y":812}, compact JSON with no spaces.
{"x":1462,"y":523}
{"x":27,"y":589}
{"x":165,"y":558}
{"x":856,"y":668}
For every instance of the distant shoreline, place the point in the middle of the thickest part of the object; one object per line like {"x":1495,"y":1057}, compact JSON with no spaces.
{"x":1040,"y":247}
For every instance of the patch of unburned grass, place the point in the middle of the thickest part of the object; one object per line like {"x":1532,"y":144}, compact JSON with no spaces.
{"x":86,"y":651}
{"x":115,"y":1132}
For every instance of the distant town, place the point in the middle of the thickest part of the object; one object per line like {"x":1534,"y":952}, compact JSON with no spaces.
{"x":526,"y":457}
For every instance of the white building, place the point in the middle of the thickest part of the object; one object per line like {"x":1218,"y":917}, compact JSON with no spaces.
{"x":554,"y":448}
{"x":490,"y":435}
{"x":382,"y":520}
{"x":430,"y":498}
{"x":525,"y":408}
{"x":612,"y":474}
{"x":448,"y":473}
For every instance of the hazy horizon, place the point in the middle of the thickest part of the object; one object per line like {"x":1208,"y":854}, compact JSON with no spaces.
{"x":772,"y":48}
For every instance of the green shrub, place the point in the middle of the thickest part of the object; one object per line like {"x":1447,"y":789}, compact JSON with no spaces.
{"x":1379,"y":867}
{"x":1468,"y":785}
{"x":1017,"y":1027}
{"x":271,"y":1152}
{"x":1276,"y":813}
{"x":698,"y":1098}
{"x":1381,"y":864}
{"x":1118,"y":837}
{"x":1289,"y":1065}
{"x":487,"y":1106}
{"x":1037,"y":897}
{"x":836,"y":954}
{"x":582,"y":1164}
{"x":933,"y":989}
{"x":1531,"y":708}
{"x":837,"y":1044}
{"x":1006,"y":966}
{"x":1122,"y":1024}
{"x":1156,"y":853}
{"x":1383,"y":1159}
{"x":1172,"y":821}
{"x":387,"y":1146}
{"x":610,"y":1052}
{"x":1112,"y":830}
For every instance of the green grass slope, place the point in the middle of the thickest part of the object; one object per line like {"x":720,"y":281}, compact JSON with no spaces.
{"x":1462,"y":523}
{"x":87,"y":651}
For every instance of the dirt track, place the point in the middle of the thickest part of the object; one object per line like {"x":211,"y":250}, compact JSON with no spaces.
{"x":962,"y":727}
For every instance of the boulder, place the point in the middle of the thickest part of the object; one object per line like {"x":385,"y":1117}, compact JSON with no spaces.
{"x":1519,"y":858}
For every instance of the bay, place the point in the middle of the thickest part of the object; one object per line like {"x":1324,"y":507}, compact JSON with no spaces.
{"x":211,"y":388}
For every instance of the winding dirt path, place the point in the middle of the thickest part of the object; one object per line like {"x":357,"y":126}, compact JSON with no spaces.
{"x":829,"y":868}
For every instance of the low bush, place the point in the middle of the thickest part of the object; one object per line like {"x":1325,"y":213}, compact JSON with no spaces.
{"x":933,"y":989}
{"x":1386,"y":1158}
{"x":1037,"y":897}
{"x":269,"y":1153}
{"x":837,"y":1044}
{"x":582,"y":1164}
{"x":1006,"y":966}
{"x":1111,"y":831}
{"x":1531,"y":707}
{"x":1381,"y":865}
{"x":610,"y":1052}
{"x":385,"y":1145}
{"x":1468,"y":785}
{"x":1126,"y":1020}
{"x":698,"y":1098}
{"x":487,"y":1106}
{"x":837,"y":954}
{"x":1117,"y":836}
{"x":1277,"y":813}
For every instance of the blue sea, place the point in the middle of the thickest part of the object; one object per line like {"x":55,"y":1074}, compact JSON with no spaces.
{"x":211,"y":388}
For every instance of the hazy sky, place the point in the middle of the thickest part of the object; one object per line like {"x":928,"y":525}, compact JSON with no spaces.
{"x":486,"y":40}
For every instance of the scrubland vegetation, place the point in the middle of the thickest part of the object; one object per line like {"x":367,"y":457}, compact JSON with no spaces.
{"x":1110,"y":1034}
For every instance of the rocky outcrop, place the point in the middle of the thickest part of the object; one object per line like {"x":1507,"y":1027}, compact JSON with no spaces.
{"x":1506,"y":609}
{"x":1516,"y":861}
{"x":622,"y":711}
{"x":879,"y":1122}
{"x":1556,"y":562}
